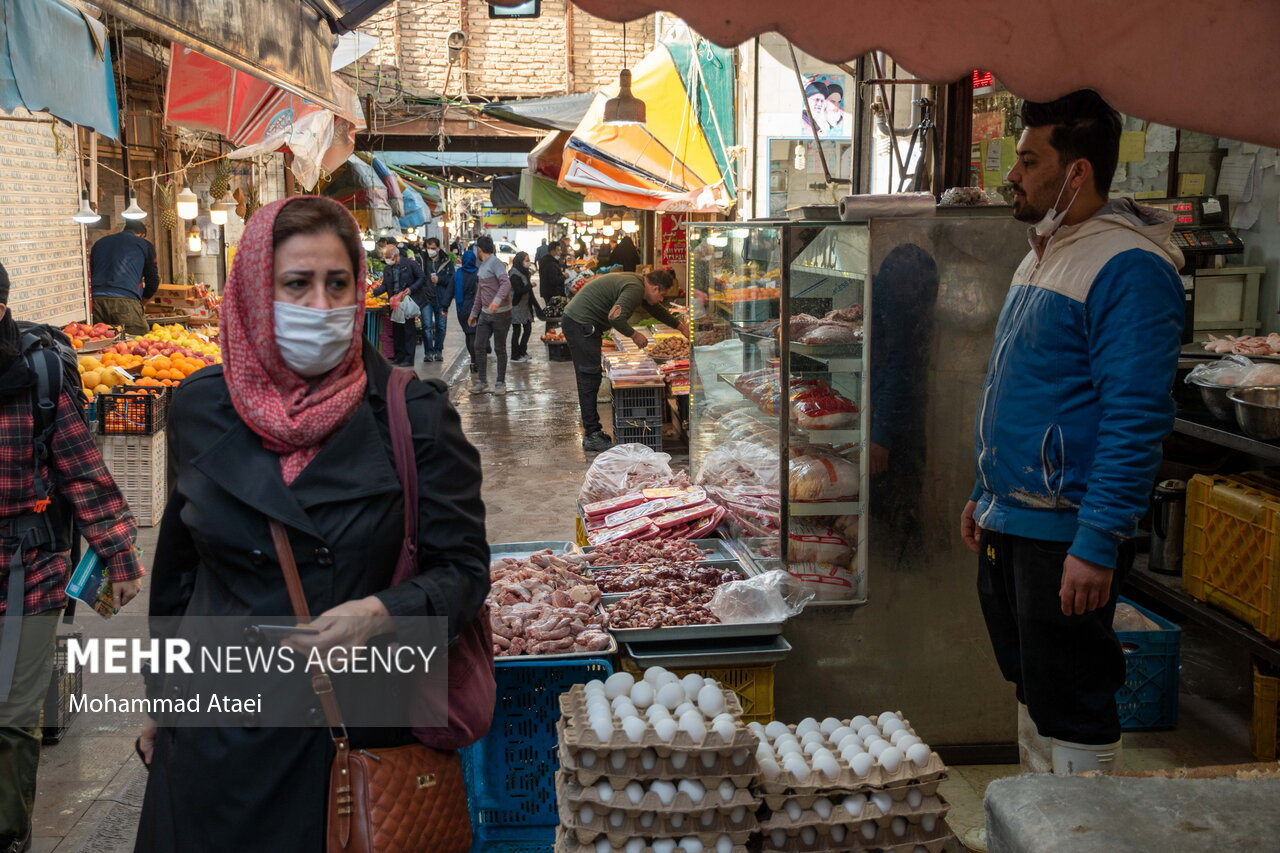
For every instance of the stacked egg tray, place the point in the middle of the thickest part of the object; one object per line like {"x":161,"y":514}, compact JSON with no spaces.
{"x":857,"y":785}
{"x":630,"y":784}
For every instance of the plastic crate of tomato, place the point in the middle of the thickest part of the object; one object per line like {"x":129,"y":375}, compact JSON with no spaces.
{"x":142,"y":411}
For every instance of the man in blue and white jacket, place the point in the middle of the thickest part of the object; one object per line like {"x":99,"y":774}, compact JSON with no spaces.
{"x":1074,"y":410}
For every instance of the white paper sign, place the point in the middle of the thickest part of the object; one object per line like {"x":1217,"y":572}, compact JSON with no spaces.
{"x":1161,"y":139}
{"x":1235,"y":177}
{"x":993,"y":156}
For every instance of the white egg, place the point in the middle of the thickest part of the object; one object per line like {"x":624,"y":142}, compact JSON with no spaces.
{"x":764,"y":751}
{"x":769,"y":769}
{"x":883,"y":801}
{"x":695,"y":789}
{"x":829,"y":725}
{"x":858,"y":722}
{"x":724,"y":844}
{"x":906,"y":742}
{"x":808,"y":724}
{"x":666,"y":791}
{"x":929,"y":822}
{"x":626,"y":708}
{"x":779,"y":838}
{"x":711,"y":700}
{"x":849,"y":740}
{"x":892,"y":726}
{"x":676,"y":820}
{"x":586,"y":814}
{"x":869,"y":829}
{"x":692,"y":723}
{"x":776,"y":729}
{"x":708,"y":819}
{"x":811,"y":749}
{"x":914,"y":798}
{"x":618,"y":684}
{"x":785,"y":739}
{"x":598,"y":715}
{"x":709,"y":760}
{"x":618,"y":700}
{"x":757,"y":729}
{"x":899,"y":826}
{"x":793,"y":809}
{"x":738,"y":815}
{"x":861,"y":764}
{"x":726,"y":790}
{"x":647,"y":819}
{"x":797,"y":767}
{"x":838,"y":833}
{"x":642,"y":695}
{"x":604,"y":791}
{"x":919,"y":754}
{"x":877,"y":747}
{"x":595,"y":685}
{"x":598,"y":705}
{"x":656,"y":712}
{"x":813,"y":737}
{"x":634,"y":728}
{"x":603,"y":729}
{"x":855,"y":804}
{"x":740,"y":757}
{"x":691,"y":844}
{"x":634,"y":845}
{"x":808,"y":835}
{"x":666,"y":729}
{"x":617,"y":760}
{"x":603,"y":846}
{"x":827,"y":766}
{"x":616,"y":818}
{"x":663,"y":845}
{"x":849,"y":753}
{"x":786,"y":748}
{"x":664,"y":678}
{"x":867,"y":732}
{"x":651,"y":675}
{"x":840,"y":734}
{"x":891,"y":759}
{"x":691,"y":683}
{"x":634,"y":792}
{"x":588,"y":759}
{"x":897,"y":736}
{"x":683,"y":708}
{"x":679,"y":760}
{"x":669,"y":696}
{"x":648,"y":759}
{"x":823,"y":807}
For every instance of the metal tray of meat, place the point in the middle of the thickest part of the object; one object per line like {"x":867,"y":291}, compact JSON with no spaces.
{"x":748,"y":652}
{"x":520,"y":550}
{"x":700,"y":633}
{"x":730,"y":565}
{"x":612,"y":649}
{"x":719,"y":549}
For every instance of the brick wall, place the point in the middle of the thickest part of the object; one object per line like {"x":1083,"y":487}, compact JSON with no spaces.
{"x":503,"y":59}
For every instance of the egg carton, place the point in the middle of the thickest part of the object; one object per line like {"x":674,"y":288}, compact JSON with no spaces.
{"x":846,"y":780}
{"x":576,"y":733}
{"x":713,"y":824}
{"x":934,"y":807}
{"x":838,"y":838}
{"x":898,"y":794}
{"x":568,"y":790}
{"x":947,"y":842}
{"x":623,"y":766}
{"x":567,"y":842}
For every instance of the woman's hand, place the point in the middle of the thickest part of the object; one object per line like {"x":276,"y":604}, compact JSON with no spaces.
{"x":347,"y":625}
{"x":147,"y":741}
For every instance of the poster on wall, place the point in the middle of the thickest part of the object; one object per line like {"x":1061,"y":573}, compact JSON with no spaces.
{"x":825,"y":96}
{"x":673,"y":248}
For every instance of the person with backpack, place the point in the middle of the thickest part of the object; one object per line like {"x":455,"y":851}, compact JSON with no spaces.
{"x":52,"y":483}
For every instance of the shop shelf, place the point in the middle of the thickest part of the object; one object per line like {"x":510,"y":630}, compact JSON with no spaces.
{"x":1232,"y":553}
{"x":56,"y":715}
{"x":752,"y":683}
{"x":1264,"y":734}
{"x":510,"y":772}
{"x":643,"y":402}
{"x":1148,"y":701}
{"x":132,"y":414}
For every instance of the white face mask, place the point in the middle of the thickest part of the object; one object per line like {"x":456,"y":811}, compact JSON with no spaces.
{"x":313,"y":341}
{"x":433,"y":252}
{"x":1052,"y":219}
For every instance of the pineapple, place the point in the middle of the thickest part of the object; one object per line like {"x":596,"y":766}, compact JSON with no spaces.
{"x":168,"y":215}
{"x":221,"y":180}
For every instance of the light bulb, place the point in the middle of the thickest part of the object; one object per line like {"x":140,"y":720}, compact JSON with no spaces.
{"x":591,"y":208}
{"x":799,"y":161}
{"x":607,"y":231}
{"x":133,"y":211}
{"x":188,"y":204}
{"x":86,"y":215}
{"x":630,"y":226}
{"x":368,"y":243}
{"x":218,"y":215}
{"x":194,"y":243}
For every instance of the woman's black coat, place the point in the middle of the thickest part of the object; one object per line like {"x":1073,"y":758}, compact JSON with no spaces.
{"x":264,"y":789}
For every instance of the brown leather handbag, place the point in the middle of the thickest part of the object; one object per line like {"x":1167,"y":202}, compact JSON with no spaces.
{"x":400,"y":799}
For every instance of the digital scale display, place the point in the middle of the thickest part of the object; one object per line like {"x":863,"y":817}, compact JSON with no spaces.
{"x":1200,"y":224}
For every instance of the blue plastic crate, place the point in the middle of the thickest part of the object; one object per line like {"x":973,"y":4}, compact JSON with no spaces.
{"x":1149,"y":698}
{"x":513,"y":839}
{"x":510,"y":773}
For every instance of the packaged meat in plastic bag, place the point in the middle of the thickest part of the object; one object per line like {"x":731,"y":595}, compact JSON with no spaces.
{"x":1230,"y":370}
{"x":1130,"y":618}
{"x":822,"y":478}
{"x":816,"y":410}
{"x":831,"y":333}
{"x":811,"y":543}
{"x":827,"y":582}
{"x":624,"y":469}
{"x":772,"y":596}
{"x":737,"y":463}
{"x":1263,"y":374}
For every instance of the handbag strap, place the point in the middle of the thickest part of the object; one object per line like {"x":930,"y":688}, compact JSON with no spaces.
{"x":406,"y":469}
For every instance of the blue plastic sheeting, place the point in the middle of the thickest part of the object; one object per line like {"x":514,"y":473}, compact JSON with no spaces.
{"x":48,"y":62}
{"x":415,"y":209}
{"x":462,"y":159}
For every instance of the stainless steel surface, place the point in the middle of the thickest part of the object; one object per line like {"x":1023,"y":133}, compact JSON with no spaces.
{"x":745,"y":654}
{"x":697,"y":632}
{"x":604,"y":653}
{"x":520,"y":550}
{"x":1257,"y":410}
{"x":1215,"y":400}
{"x":1168,"y":511}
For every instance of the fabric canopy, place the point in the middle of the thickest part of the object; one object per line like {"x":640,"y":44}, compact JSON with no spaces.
{"x":545,"y":199}
{"x":1184,"y":63}
{"x":56,"y":59}
{"x":562,"y":112}
{"x":678,"y":159}
{"x":357,"y":187}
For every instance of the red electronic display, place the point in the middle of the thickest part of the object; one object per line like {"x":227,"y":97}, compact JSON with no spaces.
{"x":983,"y":79}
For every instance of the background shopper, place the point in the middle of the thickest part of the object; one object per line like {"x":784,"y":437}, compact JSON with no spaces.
{"x":490,"y":316}
{"x":464,"y":296}
{"x":551,"y":277}
{"x":523,"y":306}
{"x":402,"y":275}
{"x":435,"y":318}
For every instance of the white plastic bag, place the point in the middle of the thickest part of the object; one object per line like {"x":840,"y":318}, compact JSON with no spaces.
{"x":1230,"y":370}
{"x":406,"y":310}
{"x":773,"y":596}
{"x":738,"y":463}
{"x":624,"y":469}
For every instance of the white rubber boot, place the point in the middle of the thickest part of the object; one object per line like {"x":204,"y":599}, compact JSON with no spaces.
{"x":1035,"y":755}
{"x":1074,"y":758}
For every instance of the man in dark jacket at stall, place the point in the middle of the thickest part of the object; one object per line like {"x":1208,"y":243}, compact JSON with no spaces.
{"x":402,"y":274}
{"x":608,"y":300}
{"x":625,"y":254}
{"x":435,"y":321}
{"x":123,"y":273}
{"x":465,"y":282}
{"x":551,"y":277}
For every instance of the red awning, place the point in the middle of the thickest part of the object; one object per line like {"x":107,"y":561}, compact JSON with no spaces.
{"x":1186,"y":63}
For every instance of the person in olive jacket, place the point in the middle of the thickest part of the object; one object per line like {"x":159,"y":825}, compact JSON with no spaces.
{"x":293,"y":427}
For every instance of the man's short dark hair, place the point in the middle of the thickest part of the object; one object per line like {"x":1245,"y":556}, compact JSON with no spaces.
{"x":1084,"y":127}
{"x":135,"y":226}
{"x":433,"y":241}
{"x":661,"y":279}
{"x":485,"y":244}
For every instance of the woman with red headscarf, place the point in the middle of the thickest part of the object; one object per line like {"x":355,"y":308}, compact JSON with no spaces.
{"x":293,"y":427}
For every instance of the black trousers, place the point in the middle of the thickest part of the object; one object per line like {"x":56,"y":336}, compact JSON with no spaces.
{"x":404,"y":341}
{"x":520,"y":333}
{"x":1066,"y":669}
{"x":584,"y":350}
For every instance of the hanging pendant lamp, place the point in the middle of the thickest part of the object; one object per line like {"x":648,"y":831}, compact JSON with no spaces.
{"x":86,"y":215}
{"x":188,"y":204}
{"x":133,"y":211}
{"x":591,"y":208}
{"x":626,"y":108}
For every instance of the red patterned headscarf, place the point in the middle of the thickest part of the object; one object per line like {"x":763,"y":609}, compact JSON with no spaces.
{"x":294,"y":416}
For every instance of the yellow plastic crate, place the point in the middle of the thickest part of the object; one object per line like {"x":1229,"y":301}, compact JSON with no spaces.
{"x":753,"y":684}
{"x":580,"y":532}
{"x":1232,"y":550}
{"x":1264,"y":734}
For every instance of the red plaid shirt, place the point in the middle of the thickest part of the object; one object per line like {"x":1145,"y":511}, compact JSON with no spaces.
{"x":79,"y":475}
